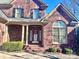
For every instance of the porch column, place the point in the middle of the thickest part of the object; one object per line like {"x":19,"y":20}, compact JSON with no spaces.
{"x":22,"y":33}
{"x":7,"y":35}
{"x":27,"y":34}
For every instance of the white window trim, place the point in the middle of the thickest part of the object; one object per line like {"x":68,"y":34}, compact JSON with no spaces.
{"x":53,"y":42}
{"x":18,"y":12}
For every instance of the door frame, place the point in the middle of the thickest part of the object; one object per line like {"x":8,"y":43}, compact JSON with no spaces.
{"x":38,"y":28}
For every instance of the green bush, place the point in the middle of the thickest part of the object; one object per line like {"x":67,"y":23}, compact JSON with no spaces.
{"x":68,"y":51}
{"x":52,"y":50}
{"x":12,"y":46}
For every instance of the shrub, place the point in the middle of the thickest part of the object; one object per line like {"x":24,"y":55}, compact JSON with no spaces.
{"x":68,"y":51}
{"x":12,"y":46}
{"x":77,"y":52}
{"x":59,"y":50}
{"x":52,"y":50}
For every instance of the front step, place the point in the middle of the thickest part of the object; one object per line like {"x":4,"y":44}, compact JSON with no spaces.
{"x":34,"y":48}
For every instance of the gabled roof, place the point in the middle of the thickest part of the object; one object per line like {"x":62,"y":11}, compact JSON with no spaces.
{"x":5,"y":4}
{"x":11,"y":1}
{"x":3,"y":17}
{"x":65,"y":10}
{"x":41,"y":5}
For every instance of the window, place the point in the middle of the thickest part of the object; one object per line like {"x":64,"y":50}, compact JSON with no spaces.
{"x":35,"y":14}
{"x":18,"y":12}
{"x":27,"y":1}
{"x":59,"y":32}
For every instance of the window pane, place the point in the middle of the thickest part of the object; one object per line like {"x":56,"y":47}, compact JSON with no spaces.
{"x":55,"y":31}
{"x":27,"y":1}
{"x":55,"y":37}
{"x":59,"y":32}
{"x":59,"y":24}
{"x":62,"y":31}
{"x":62,"y":35}
{"x":18,"y":12}
{"x":36,"y":14}
{"x":55,"y":34}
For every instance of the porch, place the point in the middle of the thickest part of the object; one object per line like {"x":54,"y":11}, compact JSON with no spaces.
{"x":28,"y":34}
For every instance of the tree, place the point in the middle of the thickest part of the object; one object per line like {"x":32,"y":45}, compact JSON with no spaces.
{"x":77,"y":40}
{"x":73,"y":6}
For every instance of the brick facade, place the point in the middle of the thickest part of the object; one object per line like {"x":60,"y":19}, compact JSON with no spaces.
{"x":21,"y":4}
{"x":2,"y":33}
{"x":55,"y":16}
{"x":15,"y":31}
{"x":47,"y":31}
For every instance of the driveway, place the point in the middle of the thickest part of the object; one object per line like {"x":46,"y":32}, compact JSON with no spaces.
{"x":20,"y":55}
{"x":24,"y":55}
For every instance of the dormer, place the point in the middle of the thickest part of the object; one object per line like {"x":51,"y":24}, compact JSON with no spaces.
{"x":18,"y":12}
{"x":42,"y":6}
{"x":26,"y":9}
{"x":35,"y":13}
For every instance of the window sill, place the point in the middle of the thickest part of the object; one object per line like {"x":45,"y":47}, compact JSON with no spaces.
{"x":35,"y":42}
{"x":57,"y":43}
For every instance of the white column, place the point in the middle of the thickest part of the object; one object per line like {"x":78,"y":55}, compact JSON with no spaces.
{"x":22,"y":33}
{"x":7,"y":35}
{"x":27,"y":34}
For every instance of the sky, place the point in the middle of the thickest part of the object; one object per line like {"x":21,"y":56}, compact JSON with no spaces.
{"x":68,"y":3}
{"x":51,"y":4}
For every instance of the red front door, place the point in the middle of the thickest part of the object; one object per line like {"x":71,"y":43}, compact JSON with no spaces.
{"x":35,"y":34}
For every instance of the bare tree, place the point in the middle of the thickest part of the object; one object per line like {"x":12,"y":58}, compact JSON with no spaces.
{"x":73,"y":6}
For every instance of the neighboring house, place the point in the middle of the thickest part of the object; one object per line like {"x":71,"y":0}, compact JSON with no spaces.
{"x":26,"y":21}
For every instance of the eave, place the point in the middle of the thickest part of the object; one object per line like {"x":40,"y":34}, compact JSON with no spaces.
{"x":2,"y":20}
{"x":65,"y":9}
{"x":22,"y":21}
{"x":42,"y":6}
{"x":5,"y":6}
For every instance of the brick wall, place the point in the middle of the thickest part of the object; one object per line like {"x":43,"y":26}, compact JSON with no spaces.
{"x":47,"y":30}
{"x":2,"y":33}
{"x":23,"y":4}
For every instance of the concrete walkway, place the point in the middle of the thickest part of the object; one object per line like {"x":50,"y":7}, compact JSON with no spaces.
{"x":20,"y":55}
{"x":24,"y":55}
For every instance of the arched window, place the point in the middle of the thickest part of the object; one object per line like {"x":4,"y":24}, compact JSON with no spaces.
{"x":59,"y":32}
